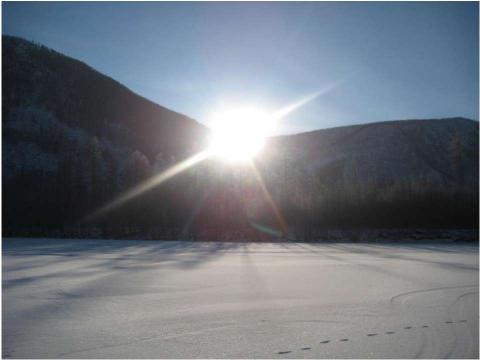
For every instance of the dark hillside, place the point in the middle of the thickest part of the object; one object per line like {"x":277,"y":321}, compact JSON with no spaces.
{"x":396,"y":173}
{"x":74,"y":138}
{"x":40,"y":79}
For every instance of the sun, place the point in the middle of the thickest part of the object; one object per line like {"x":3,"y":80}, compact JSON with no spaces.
{"x":239,"y":134}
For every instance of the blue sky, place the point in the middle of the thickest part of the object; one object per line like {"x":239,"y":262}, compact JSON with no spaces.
{"x":378,"y":61}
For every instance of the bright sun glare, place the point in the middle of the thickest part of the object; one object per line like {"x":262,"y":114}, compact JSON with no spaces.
{"x":239,"y":134}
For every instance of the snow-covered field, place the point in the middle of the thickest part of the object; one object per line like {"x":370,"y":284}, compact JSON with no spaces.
{"x":135,"y":299}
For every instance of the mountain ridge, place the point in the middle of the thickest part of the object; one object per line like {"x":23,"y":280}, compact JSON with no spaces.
{"x":44,"y":72}
{"x":406,"y":148}
{"x":10,"y":38}
{"x":384,"y":122}
{"x":90,"y":67}
{"x":74,"y":139}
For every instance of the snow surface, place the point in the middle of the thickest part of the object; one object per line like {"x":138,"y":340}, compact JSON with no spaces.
{"x":145,"y":299}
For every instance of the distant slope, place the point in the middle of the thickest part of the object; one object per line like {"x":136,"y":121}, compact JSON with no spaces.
{"x":443,"y":152}
{"x":40,"y":79}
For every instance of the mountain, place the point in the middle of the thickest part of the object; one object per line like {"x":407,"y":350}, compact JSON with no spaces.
{"x":74,"y":140}
{"x":442,"y":152}
{"x":38,"y":81}
{"x":408,"y":173}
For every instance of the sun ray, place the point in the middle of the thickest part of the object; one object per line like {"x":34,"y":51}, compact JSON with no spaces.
{"x":150,"y":184}
{"x":234,"y":139}
{"x":284,"y":111}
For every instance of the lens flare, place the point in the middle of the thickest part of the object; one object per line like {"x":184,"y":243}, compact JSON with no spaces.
{"x":149,"y":184}
{"x":239,"y":134}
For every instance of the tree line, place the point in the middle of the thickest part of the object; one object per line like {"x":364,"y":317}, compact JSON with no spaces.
{"x":52,"y":195}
